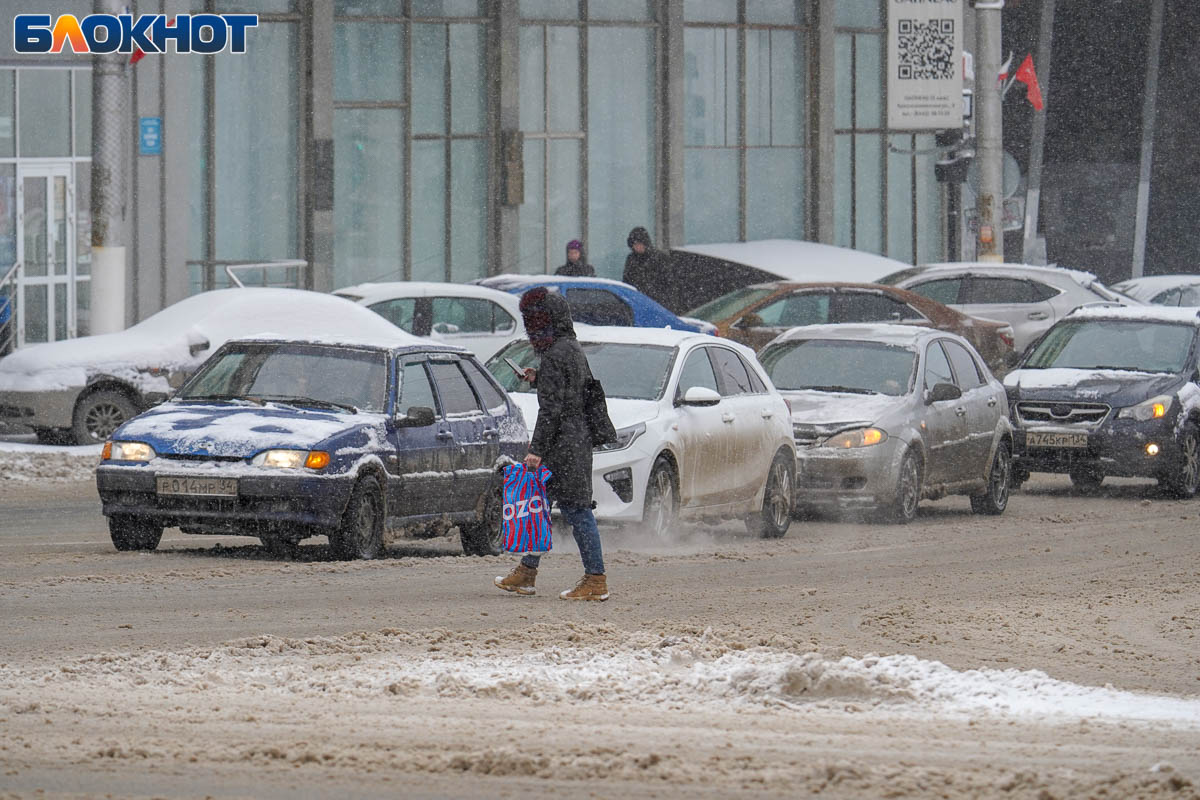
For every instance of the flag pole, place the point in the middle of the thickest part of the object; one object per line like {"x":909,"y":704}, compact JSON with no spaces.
{"x":1037,"y":141}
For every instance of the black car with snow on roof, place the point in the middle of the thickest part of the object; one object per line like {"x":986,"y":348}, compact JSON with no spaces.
{"x":1111,"y":391}
{"x":284,"y":439}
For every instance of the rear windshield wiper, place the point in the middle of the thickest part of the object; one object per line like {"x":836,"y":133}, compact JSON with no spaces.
{"x":835,"y":388}
{"x":308,"y":401}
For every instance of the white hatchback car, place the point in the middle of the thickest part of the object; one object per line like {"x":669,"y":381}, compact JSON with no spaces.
{"x":701,"y":431}
{"x":475,"y":317}
{"x":1029,"y":298}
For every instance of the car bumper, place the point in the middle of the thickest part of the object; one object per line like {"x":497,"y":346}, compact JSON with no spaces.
{"x":847,"y":479}
{"x":270,"y":501}
{"x":51,"y":409}
{"x":1117,"y":448}
{"x":621,"y":495}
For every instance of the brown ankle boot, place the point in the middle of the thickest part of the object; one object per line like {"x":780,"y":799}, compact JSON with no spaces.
{"x":520,"y":580}
{"x":590,"y":587}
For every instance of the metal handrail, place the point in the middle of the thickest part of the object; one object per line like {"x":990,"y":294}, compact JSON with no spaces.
{"x":8,"y":328}
{"x":232,"y":267}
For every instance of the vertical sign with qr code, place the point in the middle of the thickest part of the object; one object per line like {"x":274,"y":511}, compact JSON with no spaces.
{"x":925,"y":64}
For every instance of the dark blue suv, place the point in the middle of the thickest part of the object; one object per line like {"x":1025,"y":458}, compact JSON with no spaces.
{"x":285,"y":439}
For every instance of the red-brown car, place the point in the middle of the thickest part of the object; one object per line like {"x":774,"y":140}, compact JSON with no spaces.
{"x":754,"y":315}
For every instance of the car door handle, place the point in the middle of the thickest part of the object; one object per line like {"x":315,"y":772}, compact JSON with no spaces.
{"x":443,"y":435}
{"x":1038,"y":315}
{"x":991,"y":402}
{"x":489,"y":433}
{"x":962,"y":412}
{"x":767,"y":413}
{"x":727,"y":417}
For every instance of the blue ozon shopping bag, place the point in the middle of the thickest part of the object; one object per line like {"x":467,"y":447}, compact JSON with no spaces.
{"x":525,"y":515}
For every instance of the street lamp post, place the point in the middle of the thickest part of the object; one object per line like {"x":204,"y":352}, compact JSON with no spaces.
{"x":110,"y":147}
{"x":989,"y":147}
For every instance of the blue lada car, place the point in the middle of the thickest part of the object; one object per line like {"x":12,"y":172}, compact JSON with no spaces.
{"x":285,"y":439}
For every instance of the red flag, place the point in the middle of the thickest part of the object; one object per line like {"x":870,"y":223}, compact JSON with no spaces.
{"x":1027,"y":76}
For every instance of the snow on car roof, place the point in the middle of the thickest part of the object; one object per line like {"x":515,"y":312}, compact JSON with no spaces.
{"x":162,"y":340}
{"x":539,"y":280}
{"x":1147,"y":287}
{"x":904,"y":335}
{"x":1143,"y":313}
{"x":1079,"y":276}
{"x":801,"y":261}
{"x":666,"y":337}
{"x":388,"y":290}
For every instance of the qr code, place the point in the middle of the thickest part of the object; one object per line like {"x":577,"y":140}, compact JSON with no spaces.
{"x":926,"y":49}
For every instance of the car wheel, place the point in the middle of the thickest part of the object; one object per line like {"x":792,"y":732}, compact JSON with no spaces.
{"x":775,"y":517}
{"x":1086,"y":480}
{"x":903,"y":509}
{"x":661,"y":505}
{"x":995,"y":499}
{"x":360,"y":534}
{"x":280,"y":547}
{"x":131,"y":533}
{"x":1184,"y":483}
{"x":100,"y":413}
{"x":482,"y":536}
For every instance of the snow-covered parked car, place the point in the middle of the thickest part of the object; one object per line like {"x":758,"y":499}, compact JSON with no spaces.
{"x":475,"y":317}
{"x":701,"y":432}
{"x":1163,"y":290}
{"x":80,"y":390}
{"x":1111,"y":391}
{"x":886,"y":415}
{"x":285,"y":439}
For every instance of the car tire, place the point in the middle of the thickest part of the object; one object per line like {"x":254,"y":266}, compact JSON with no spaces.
{"x":1184,"y":483}
{"x":1086,"y":480}
{"x":131,"y":533}
{"x":779,"y":496}
{"x":995,"y":498}
{"x":482,"y":536}
{"x":100,"y":413}
{"x":360,"y":534}
{"x":660,"y":506}
{"x":903,"y":509}
{"x":280,"y":547}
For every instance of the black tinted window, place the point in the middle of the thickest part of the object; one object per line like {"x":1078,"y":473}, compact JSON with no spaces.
{"x":456,"y":394}
{"x":731,"y":372}
{"x":492,"y":398}
{"x":598,"y":307}
{"x":415,"y":389}
{"x":965,"y":368}
{"x":871,"y":307}
{"x":937,"y":368}
{"x":809,"y":308}
{"x":1001,"y":290}
{"x":943,"y":290}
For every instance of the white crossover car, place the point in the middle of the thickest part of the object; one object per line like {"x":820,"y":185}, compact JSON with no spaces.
{"x":701,"y":431}
{"x":475,"y":317}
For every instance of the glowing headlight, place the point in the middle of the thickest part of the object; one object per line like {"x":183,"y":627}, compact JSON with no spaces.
{"x":863,"y":437}
{"x":280,"y":459}
{"x":129,"y":451}
{"x":625,"y":437}
{"x":1154,"y":408}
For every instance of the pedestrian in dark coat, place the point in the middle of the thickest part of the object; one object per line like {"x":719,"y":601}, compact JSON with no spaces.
{"x":576,"y":266}
{"x":561,"y":440}
{"x":645,"y":266}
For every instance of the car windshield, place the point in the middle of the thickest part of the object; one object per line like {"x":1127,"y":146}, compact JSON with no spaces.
{"x":635,"y":371}
{"x":835,"y":365}
{"x":300,"y":374}
{"x":727,"y":305}
{"x":1135,"y":345}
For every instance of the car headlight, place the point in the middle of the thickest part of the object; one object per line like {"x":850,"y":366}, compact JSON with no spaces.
{"x":128,"y":451}
{"x":1154,"y":408}
{"x":625,"y":437}
{"x":291,"y":459}
{"x":862,"y":437}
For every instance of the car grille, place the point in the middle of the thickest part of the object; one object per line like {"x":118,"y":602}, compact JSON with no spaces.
{"x":1039,"y":412}
{"x":199,"y":459}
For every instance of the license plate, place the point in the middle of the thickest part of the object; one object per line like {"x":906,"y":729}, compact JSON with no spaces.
{"x":198,"y":487}
{"x":1055,"y":439}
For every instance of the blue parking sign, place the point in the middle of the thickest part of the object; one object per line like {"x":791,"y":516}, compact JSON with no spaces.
{"x":150,"y":136}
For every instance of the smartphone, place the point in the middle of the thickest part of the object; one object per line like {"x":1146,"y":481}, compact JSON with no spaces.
{"x":517,"y":368}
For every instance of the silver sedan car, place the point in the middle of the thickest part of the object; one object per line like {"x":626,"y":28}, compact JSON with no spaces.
{"x":887,"y":415}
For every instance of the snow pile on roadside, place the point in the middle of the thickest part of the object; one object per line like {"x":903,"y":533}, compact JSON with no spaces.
{"x":32,"y":462}
{"x":674,"y":674}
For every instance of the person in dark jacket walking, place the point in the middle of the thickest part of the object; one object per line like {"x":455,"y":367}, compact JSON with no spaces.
{"x":561,"y":440}
{"x":576,"y":266}
{"x":645,"y":266}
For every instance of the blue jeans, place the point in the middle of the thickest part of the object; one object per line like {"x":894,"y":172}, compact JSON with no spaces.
{"x":587,"y":536}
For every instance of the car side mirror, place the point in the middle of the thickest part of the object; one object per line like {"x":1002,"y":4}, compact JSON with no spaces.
{"x":749,"y":321}
{"x":417,"y":417}
{"x":700,"y":396}
{"x":943,"y":391}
